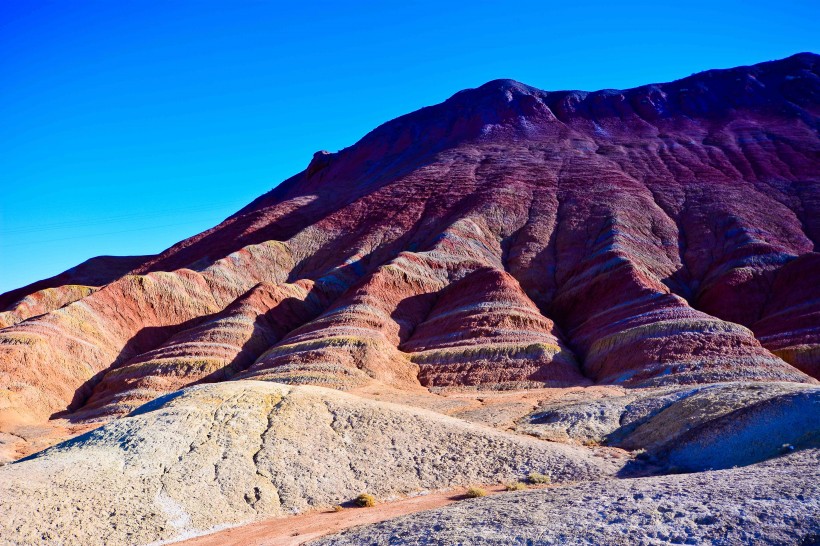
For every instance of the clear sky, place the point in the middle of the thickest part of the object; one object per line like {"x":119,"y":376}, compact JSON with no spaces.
{"x":128,"y":126}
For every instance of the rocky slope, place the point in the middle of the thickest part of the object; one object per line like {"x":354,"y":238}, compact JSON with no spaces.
{"x":49,"y":294}
{"x":508,"y":237}
{"x":224,"y":454}
{"x":774,"y":503}
{"x":690,"y":429}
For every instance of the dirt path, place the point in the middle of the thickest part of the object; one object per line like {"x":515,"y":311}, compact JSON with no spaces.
{"x":293,"y":530}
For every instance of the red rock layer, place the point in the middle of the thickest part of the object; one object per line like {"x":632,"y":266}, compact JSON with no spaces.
{"x":357,"y":339}
{"x":790,"y":317}
{"x":506,"y":237}
{"x":43,"y":301}
{"x":94,"y":272}
{"x":484,"y":330}
{"x":53,"y":361}
{"x":216,"y":349}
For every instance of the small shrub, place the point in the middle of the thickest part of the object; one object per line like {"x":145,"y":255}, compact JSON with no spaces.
{"x":538,"y":478}
{"x":338,"y":508}
{"x":365,"y":500}
{"x":475,"y":492}
{"x":517,"y":486}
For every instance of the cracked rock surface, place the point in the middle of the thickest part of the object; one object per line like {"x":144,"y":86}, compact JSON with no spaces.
{"x":777,"y":502}
{"x":233,"y":452}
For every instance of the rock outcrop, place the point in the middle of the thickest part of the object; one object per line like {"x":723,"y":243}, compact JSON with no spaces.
{"x":508,"y":237}
{"x":215,"y":455}
{"x":773,"y":503}
{"x":691,"y":429}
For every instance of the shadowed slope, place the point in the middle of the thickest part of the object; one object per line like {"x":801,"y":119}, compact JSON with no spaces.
{"x":94,"y":272}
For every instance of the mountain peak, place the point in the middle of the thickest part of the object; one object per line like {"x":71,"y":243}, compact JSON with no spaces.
{"x":504,"y":85}
{"x":507,"y":236}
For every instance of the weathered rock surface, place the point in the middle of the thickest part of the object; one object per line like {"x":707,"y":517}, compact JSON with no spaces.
{"x":777,"y":502}
{"x":508,"y":237}
{"x":229,"y":453}
{"x":43,"y":301}
{"x":214,"y":350}
{"x":94,"y":272}
{"x":710,"y":427}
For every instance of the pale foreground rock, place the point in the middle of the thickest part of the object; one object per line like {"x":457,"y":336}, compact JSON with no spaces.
{"x":223,"y":454}
{"x":776,"y":502}
{"x":694,"y":428}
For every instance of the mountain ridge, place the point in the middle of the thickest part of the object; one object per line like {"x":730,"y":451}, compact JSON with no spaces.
{"x":565,"y":100}
{"x":507,"y":237}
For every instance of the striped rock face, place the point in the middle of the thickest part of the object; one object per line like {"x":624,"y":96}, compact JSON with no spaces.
{"x":506,"y":238}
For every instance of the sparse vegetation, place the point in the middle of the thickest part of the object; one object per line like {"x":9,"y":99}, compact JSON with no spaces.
{"x":515,"y":486}
{"x":475,"y":492}
{"x":338,"y":508}
{"x":536,"y":478}
{"x":365,"y":500}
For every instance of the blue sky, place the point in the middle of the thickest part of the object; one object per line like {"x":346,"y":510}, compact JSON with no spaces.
{"x":128,"y":126}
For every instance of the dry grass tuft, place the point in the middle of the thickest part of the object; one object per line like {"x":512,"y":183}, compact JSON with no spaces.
{"x":536,"y":478}
{"x":365,"y":500}
{"x":517,"y":486}
{"x":475,"y":492}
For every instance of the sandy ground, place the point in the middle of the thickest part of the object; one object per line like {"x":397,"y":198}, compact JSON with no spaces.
{"x":499,"y":409}
{"x":293,"y":530}
{"x":21,"y":439}
{"x":772,"y":503}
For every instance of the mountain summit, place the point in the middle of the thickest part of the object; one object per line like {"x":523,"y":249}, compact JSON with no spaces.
{"x":505,"y":238}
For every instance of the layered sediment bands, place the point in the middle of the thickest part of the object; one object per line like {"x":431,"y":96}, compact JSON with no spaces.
{"x":43,"y":301}
{"x":790,"y":325}
{"x":214,"y":350}
{"x":484,"y":330}
{"x":626,"y":322}
{"x":369,"y":331}
{"x":345,"y":347}
{"x":53,"y":362}
{"x":506,"y":237}
{"x":94,"y":272}
{"x":357,"y":338}
{"x":48,"y":359}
